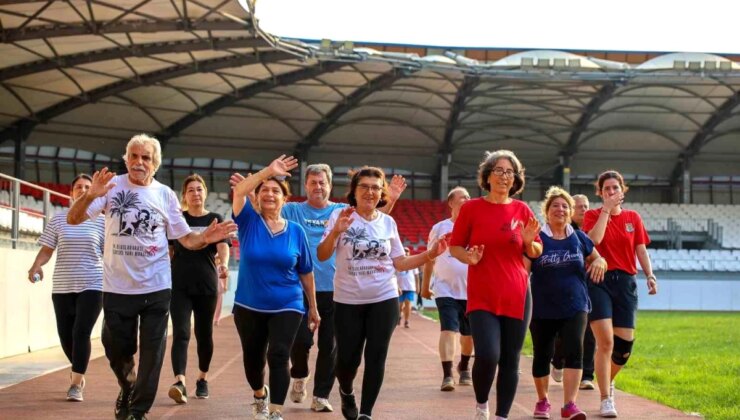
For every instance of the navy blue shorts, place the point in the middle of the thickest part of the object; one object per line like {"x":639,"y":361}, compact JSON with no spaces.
{"x":615,"y":298}
{"x":452,"y":315}
{"x":409,"y":295}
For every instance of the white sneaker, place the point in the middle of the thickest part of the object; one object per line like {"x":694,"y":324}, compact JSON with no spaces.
{"x":298,"y":390}
{"x":321,"y":405}
{"x":607,"y":408}
{"x":260,"y":406}
{"x":276,"y":415}
{"x":557,"y":375}
{"x":482,"y":414}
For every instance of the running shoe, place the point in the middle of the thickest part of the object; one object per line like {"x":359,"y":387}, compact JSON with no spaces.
{"x":74,"y":393}
{"x":260,"y":406}
{"x":276,"y":415}
{"x":482,"y":414}
{"x":201,"y":389}
{"x":572,"y":412}
{"x":607,"y":408}
{"x":542,"y":409}
{"x":121,"y":410}
{"x":298,"y":390}
{"x":178,"y":393}
{"x":448,"y":384}
{"x":465,"y":377}
{"x":349,"y":405}
{"x":557,"y":375}
{"x":321,"y":405}
{"x":586,"y":384}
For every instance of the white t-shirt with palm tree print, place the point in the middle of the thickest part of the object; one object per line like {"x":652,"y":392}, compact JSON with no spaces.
{"x":138,"y":221}
{"x":364,"y":259}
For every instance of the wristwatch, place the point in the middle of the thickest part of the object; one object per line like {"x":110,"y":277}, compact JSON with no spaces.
{"x":652,"y":277}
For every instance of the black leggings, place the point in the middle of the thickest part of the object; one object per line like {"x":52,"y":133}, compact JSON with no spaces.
{"x":498,"y":341}
{"x":327,"y":357}
{"x":267,"y":338}
{"x":570,"y":330}
{"x":370,"y":326}
{"x":76,"y":315}
{"x":202,"y":307}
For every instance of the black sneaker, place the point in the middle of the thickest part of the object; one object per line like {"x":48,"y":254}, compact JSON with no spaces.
{"x":178,"y":393}
{"x":201,"y":389}
{"x":121,"y":411}
{"x":349,"y":406}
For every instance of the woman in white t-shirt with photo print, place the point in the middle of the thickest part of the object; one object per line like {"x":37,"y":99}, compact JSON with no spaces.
{"x":368,"y":254}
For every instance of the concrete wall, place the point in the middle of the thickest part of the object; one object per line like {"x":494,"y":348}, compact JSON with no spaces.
{"x":27,"y":321}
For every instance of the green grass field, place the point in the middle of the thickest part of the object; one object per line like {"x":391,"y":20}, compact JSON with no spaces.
{"x":686,"y":360}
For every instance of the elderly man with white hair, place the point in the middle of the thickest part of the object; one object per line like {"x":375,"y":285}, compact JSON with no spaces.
{"x":140,"y":214}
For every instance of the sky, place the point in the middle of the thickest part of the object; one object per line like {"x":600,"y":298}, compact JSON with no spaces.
{"x":624,"y":25}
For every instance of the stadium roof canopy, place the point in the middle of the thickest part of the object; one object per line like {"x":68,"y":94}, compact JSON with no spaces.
{"x":206,"y":81}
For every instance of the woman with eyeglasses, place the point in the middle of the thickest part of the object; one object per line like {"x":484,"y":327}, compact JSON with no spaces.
{"x":491,"y":235}
{"x":621,"y":237}
{"x":77,"y":292}
{"x":368,"y":253}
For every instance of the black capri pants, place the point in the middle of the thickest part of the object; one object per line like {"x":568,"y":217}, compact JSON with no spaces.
{"x":544,"y":332}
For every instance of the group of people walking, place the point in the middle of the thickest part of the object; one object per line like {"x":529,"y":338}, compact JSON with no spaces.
{"x":337,"y":271}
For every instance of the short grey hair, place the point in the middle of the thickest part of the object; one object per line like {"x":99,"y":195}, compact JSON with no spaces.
{"x":146,"y":140}
{"x":319,"y":168}
{"x":456,"y":189}
{"x":489,"y":162}
{"x":577,"y":197}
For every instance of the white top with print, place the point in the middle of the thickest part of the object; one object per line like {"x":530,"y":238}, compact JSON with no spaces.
{"x":138,"y":221}
{"x":364,"y":258}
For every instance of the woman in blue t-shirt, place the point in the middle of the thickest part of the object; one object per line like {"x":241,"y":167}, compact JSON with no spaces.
{"x":274,"y":272}
{"x":560,"y":302}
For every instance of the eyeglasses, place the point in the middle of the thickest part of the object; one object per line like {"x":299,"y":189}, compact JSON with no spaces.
{"x":504,"y":172}
{"x":373,"y":188}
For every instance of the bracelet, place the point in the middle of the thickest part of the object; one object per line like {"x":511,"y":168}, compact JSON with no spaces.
{"x":652,"y":277}
{"x":604,"y":211}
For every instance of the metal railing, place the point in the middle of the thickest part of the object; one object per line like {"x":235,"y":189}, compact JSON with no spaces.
{"x":15,"y":204}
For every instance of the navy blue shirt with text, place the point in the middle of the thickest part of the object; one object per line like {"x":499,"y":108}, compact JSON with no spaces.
{"x":559,"y":288}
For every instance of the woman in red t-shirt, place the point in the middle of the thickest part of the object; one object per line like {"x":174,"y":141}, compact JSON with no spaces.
{"x":491,"y":234}
{"x":619,"y":236}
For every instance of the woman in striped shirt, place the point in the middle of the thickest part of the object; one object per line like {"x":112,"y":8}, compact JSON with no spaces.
{"x":78,"y":282}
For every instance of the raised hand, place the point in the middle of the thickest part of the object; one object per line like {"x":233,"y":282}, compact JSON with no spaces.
{"x":282,"y":166}
{"x":396,"y":187}
{"x":101,"y":183}
{"x":216,"y":232}
{"x":344,"y":220}
{"x":614,"y":200}
{"x":475,"y":253}
{"x":235,"y":179}
{"x":530,"y":231}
